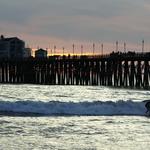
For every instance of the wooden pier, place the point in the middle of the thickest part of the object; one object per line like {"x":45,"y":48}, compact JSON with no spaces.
{"x":119,"y":70}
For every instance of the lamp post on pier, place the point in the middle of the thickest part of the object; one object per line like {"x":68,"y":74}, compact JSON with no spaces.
{"x":73,"y":46}
{"x":116,"y":46}
{"x":142,"y":46}
{"x":93,"y":49}
{"x":54,"y":49}
{"x":124,"y":47}
{"x":63,"y":51}
{"x":102,"y":47}
{"x":81,"y":50}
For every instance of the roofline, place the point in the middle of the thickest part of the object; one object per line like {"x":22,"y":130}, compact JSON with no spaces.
{"x":11,"y":38}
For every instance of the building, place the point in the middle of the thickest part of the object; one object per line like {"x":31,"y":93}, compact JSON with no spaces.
{"x":27,"y":52}
{"x":11,"y":47}
{"x":41,"y":53}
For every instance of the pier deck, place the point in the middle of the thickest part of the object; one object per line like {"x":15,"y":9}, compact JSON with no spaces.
{"x":117,"y":70}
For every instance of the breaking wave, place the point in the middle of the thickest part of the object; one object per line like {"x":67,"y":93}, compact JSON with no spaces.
{"x":57,"y":108}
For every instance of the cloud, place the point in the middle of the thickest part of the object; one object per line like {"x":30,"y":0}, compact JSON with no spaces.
{"x":81,"y":21}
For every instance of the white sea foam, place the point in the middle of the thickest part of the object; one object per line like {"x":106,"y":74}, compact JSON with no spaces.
{"x":72,"y":108}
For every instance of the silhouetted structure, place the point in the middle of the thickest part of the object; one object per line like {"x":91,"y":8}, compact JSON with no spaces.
{"x":11,"y":47}
{"x":41,"y":53}
{"x":117,"y":69}
{"x":27,"y":52}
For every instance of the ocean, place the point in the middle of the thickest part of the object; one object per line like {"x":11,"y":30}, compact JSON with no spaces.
{"x":73,"y":118}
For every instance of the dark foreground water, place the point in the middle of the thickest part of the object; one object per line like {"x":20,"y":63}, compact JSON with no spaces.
{"x":73,"y":117}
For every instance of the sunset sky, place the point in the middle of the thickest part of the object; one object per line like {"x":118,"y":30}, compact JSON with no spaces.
{"x":46,"y":23}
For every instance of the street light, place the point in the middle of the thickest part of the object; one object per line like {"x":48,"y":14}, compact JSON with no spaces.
{"x":54,"y":49}
{"x":102,"y":47}
{"x":81,"y":49}
{"x":63,"y":50}
{"x":93,"y":49}
{"x":73,"y":46}
{"x":142,"y":46}
{"x":116,"y":46}
{"x":124,"y":47}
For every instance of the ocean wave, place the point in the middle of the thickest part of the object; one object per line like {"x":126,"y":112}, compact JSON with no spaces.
{"x":57,"y":108}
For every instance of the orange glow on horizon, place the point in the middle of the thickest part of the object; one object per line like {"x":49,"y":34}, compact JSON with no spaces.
{"x":87,"y":49}
{"x":60,"y":53}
